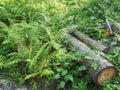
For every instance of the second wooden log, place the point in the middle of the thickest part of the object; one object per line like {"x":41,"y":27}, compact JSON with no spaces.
{"x":92,"y":43}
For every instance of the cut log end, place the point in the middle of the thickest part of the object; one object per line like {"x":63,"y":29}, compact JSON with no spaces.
{"x":106,"y":74}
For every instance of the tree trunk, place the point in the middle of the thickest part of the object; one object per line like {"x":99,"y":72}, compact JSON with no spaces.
{"x":105,"y":70}
{"x":92,"y":43}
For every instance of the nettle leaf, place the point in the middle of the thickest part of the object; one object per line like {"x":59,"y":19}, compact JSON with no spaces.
{"x":68,"y":77}
{"x":64,"y":72}
{"x":61,"y":84}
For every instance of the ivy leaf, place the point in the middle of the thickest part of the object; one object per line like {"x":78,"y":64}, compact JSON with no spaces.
{"x":61,"y":85}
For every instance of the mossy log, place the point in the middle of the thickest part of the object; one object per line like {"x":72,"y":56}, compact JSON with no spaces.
{"x":105,"y":70}
{"x":92,"y":43}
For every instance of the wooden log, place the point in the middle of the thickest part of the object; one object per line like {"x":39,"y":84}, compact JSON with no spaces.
{"x":105,"y":70}
{"x":92,"y":43}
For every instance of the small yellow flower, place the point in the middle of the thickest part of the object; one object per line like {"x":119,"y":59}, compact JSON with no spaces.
{"x":59,"y":69}
{"x":107,"y":32}
{"x":59,"y":53}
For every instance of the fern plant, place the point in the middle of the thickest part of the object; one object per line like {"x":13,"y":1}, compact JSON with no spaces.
{"x":30,"y":46}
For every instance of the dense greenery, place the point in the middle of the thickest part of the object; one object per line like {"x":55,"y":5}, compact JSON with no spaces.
{"x":32,"y":47}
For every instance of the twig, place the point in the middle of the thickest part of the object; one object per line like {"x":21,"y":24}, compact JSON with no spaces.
{"x":109,"y":25}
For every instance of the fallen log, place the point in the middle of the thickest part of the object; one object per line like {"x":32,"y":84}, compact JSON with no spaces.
{"x":92,"y":43}
{"x":105,"y":70}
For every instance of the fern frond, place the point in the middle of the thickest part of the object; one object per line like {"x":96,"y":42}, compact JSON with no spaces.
{"x":4,"y":27}
{"x":44,"y":62}
{"x":2,"y":61}
{"x":31,"y":75}
{"x":35,"y":58}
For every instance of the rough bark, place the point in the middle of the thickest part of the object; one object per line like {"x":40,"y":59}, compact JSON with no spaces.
{"x":92,"y":43}
{"x":105,"y":70}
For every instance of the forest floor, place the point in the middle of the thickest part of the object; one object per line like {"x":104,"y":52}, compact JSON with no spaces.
{"x":34,"y":52}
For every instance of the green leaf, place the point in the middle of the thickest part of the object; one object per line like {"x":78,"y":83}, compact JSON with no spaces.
{"x":68,"y":77}
{"x":81,"y":68}
{"x":31,"y":75}
{"x":94,"y":64}
{"x":61,"y":85}
{"x":64,"y":72}
{"x":57,"y":76}
{"x":47,"y":72}
{"x":66,"y":64}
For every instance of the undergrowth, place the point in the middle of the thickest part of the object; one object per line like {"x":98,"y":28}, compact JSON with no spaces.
{"x":32,"y":45}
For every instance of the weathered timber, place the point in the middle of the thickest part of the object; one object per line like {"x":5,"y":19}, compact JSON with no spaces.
{"x":92,"y":43}
{"x":105,"y":70}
